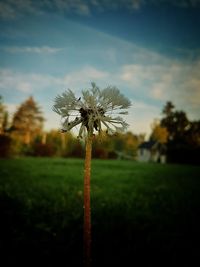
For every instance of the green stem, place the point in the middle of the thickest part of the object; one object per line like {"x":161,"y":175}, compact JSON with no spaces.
{"x":87,"y":212}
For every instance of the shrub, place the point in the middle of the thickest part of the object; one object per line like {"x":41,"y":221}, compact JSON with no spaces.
{"x":77,"y":150}
{"x":44,"y":150}
{"x":5,"y":146}
{"x":99,"y":153}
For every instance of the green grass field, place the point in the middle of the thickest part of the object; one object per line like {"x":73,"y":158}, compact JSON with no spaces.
{"x":139,"y":212}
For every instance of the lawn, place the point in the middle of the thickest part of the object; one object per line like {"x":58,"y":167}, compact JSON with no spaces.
{"x":139,"y":212}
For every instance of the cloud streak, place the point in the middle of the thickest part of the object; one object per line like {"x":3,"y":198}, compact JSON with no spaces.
{"x":31,"y":49}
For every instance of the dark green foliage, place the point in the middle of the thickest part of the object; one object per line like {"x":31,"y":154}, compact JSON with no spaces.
{"x":5,"y":145}
{"x":43,"y":150}
{"x":184,"y":136}
{"x":3,"y":117}
{"x":139,"y":212}
{"x":77,"y":149}
{"x":115,"y":146}
{"x":183,"y":154}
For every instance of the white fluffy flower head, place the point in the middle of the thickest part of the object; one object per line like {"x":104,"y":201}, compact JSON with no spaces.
{"x":94,"y":111}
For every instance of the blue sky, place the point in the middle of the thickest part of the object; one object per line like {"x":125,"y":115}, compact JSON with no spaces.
{"x":150,"y":50}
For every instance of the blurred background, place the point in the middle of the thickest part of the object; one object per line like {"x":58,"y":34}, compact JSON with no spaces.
{"x":145,"y":187}
{"x":148,"y":49}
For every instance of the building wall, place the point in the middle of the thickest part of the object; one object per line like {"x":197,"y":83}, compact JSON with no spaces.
{"x":144,"y":155}
{"x":155,"y":156}
{"x":163,"y":159}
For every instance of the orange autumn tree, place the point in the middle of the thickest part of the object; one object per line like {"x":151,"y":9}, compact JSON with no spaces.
{"x":96,"y":110}
{"x":159,"y":133}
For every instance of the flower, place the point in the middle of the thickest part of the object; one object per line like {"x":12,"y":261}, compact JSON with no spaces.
{"x":95,"y":110}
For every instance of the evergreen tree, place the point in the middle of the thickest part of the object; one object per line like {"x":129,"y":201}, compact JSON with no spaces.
{"x":168,"y":119}
{"x":28,"y":120}
{"x":183,"y":144}
{"x":176,"y":123}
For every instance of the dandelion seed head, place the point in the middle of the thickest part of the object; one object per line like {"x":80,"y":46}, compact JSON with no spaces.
{"x":93,"y":111}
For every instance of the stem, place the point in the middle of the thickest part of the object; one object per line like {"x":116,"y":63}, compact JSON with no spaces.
{"x":87,"y":213}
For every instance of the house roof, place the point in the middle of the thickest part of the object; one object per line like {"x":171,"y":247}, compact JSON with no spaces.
{"x":147,"y":144}
{"x":150,"y":145}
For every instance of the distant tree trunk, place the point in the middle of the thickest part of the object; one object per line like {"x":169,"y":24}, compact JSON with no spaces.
{"x":63,"y":141}
{"x":27,"y":138}
{"x":44,"y":138}
{"x":87,"y":212}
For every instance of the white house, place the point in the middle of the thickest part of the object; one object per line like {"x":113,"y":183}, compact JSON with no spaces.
{"x":151,"y":151}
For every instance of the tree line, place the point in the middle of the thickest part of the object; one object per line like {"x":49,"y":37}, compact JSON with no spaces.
{"x":23,"y":135}
{"x":183,"y":139}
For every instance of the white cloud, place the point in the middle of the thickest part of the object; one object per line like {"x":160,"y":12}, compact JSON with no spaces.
{"x":129,"y":73}
{"x":158,"y":90}
{"x":84,"y":76}
{"x":24,"y":86}
{"x":11,"y":108}
{"x":178,"y":82}
{"x":141,"y":115}
{"x":33,"y":82}
{"x":139,"y":73}
{"x":31,"y":49}
{"x":25,"y":83}
{"x":154,"y":83}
